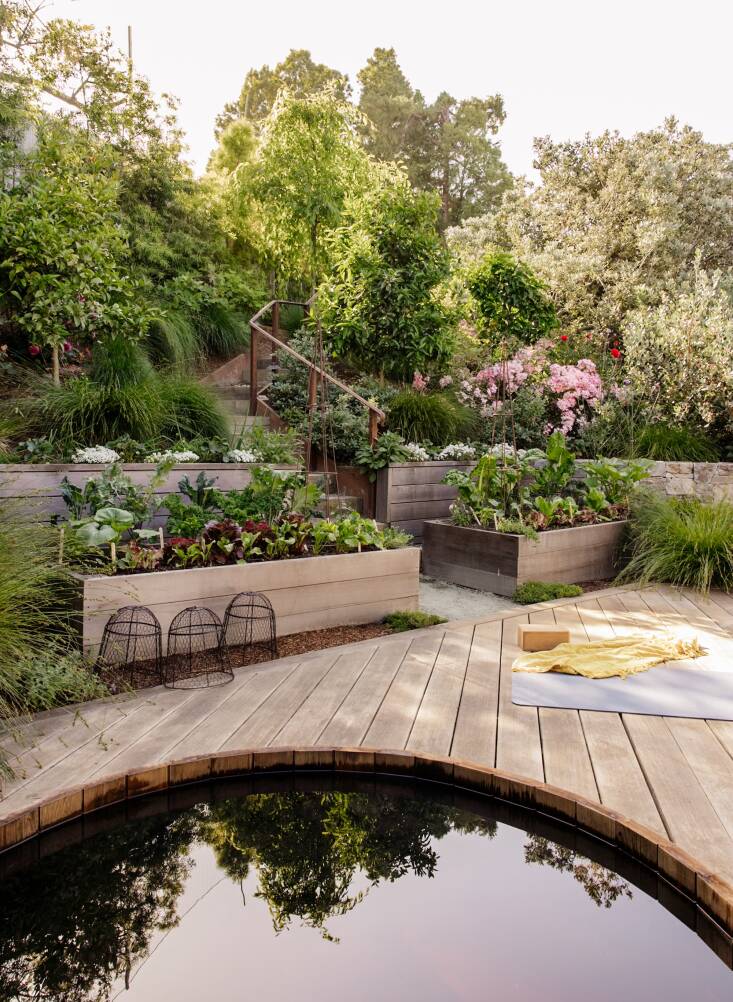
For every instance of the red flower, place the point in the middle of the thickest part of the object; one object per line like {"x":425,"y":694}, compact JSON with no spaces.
{"x":615,"y":353}
{"x":34,"y":350}
{"x":563,"y":337}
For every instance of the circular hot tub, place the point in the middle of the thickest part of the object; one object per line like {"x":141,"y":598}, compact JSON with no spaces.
{"x":321,"y":887}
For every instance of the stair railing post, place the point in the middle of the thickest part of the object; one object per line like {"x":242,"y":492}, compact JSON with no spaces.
{"x":373,"y":427}
{"x":252,"y":371}
{"x":275,"y":322}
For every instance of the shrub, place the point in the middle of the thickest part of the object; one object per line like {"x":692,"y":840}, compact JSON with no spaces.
{"x":679,"y":356}
{"x":425,"y":417}
{"x":544,"y":591}
{"x":411,"y":620}
{"x":172,"y":339}
{"x":36,"y":669}
{"x":511,"y":300}
{"x":685,"y":542}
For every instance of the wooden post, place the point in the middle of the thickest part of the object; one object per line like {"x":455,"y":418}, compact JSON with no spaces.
{"x":275,"y":322}
{"x":373,"y":427}
{"x":252,"y":371}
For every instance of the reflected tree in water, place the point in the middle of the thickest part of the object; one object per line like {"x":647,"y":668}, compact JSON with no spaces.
{"x":81,"y":919}
{"x":600,"y":884}
{"x":308,"y":848}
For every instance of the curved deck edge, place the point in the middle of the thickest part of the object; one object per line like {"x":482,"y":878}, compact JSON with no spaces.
{"x":713,"y":895}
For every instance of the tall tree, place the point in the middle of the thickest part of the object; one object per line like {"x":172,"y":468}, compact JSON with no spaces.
{"x":390,"y":104}
{"x":448,"y":146}
{"x":310,"y":157}
{"x":83,"y":72}
{"x":380,"y":303}
{"x":297,"y":73}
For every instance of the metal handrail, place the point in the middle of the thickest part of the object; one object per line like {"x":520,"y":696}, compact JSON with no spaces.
{"x":376,"y":414}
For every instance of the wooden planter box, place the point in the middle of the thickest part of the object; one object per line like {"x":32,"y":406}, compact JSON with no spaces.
{"x":409,"y":493}
{"x":500,"y":561}
{"x":308,"y":593}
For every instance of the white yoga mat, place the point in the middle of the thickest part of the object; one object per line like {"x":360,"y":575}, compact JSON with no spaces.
{"x":674,"y":690}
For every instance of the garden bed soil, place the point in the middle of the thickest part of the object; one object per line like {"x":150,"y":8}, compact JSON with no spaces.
{"x":499,"y":561}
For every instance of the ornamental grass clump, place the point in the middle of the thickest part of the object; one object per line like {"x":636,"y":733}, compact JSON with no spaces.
{"x":38,"y":669}
{"x":684,"y":542}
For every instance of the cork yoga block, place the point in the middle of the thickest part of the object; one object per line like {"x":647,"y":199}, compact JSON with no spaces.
{"x":541,"y":638}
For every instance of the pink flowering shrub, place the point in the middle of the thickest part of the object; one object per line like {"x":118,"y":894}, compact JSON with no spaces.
{"x":419,"y":382}
{"x":571,"y":392}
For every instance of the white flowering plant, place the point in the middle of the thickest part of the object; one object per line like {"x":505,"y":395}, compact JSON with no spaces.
{"x":241,"y":456}
{"x":98,"y":454}
{"x":416,"y":453}
{"x":458,"y":451}
{"x":171,"y":456}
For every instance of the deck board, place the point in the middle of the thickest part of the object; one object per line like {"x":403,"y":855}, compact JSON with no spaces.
{"x":443,"y":691}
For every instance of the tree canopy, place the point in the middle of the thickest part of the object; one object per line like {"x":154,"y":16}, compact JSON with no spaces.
{"x":614,"y":222}
{"x":297,"y":73}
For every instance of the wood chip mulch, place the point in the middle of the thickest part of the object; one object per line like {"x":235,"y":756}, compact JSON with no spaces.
{"x":292,"y":645}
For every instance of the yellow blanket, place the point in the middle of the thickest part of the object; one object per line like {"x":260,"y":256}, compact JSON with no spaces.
{"x":603,"y":658}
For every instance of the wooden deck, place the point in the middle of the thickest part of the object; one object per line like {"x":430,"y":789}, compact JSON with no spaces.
{"x":444,"y":691}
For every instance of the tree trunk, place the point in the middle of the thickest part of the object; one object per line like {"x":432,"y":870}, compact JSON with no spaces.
{"x":55,"y":366}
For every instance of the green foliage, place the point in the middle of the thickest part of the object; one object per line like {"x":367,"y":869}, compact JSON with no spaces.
{"x":309,"y":159}
{"x":684,"y":542}
{"x":614,"y":221}
{"x":679,"y":355}
{"x":36,"y":669}
{"x":544,"y":591}
{"x":297,"y":74}
{"x":55,"y":677}
{"x":389,"y":448}
{"x":189,"y":409}
{"x":61,"y":250}
{"x":82,"y":412}
{"x":428,"y":417}
{"x":272,"y":446}
{"x":525,"y":492}
{"x":379,"y":304}
{"x":512,"y":301}
{"x":615,"y":478}
{"x":411,"y":620}
{"x":676,"y":444}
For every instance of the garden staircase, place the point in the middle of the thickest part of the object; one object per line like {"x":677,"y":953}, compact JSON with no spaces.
{"x":241,"y":385}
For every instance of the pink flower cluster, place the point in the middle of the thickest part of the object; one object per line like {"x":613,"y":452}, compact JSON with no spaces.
{"x":573,"y":384}
{"x":570,"y":391}
{"x":420,"y":382}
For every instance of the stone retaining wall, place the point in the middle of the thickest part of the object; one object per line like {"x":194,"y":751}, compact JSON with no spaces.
{"x":707,"y":481}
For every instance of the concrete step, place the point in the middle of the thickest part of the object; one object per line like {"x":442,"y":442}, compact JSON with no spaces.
{"x":240,"y":422}
{"x":342,"y":502}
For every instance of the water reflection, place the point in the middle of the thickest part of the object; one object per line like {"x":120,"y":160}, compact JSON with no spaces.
{"x":79,"y":923}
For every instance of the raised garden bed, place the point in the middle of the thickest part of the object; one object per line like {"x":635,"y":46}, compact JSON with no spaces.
{"x":500,"y":561}
{"x":307,"y":593}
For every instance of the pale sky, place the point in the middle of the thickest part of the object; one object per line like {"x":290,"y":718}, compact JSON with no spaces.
{"x":564,"y":67}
